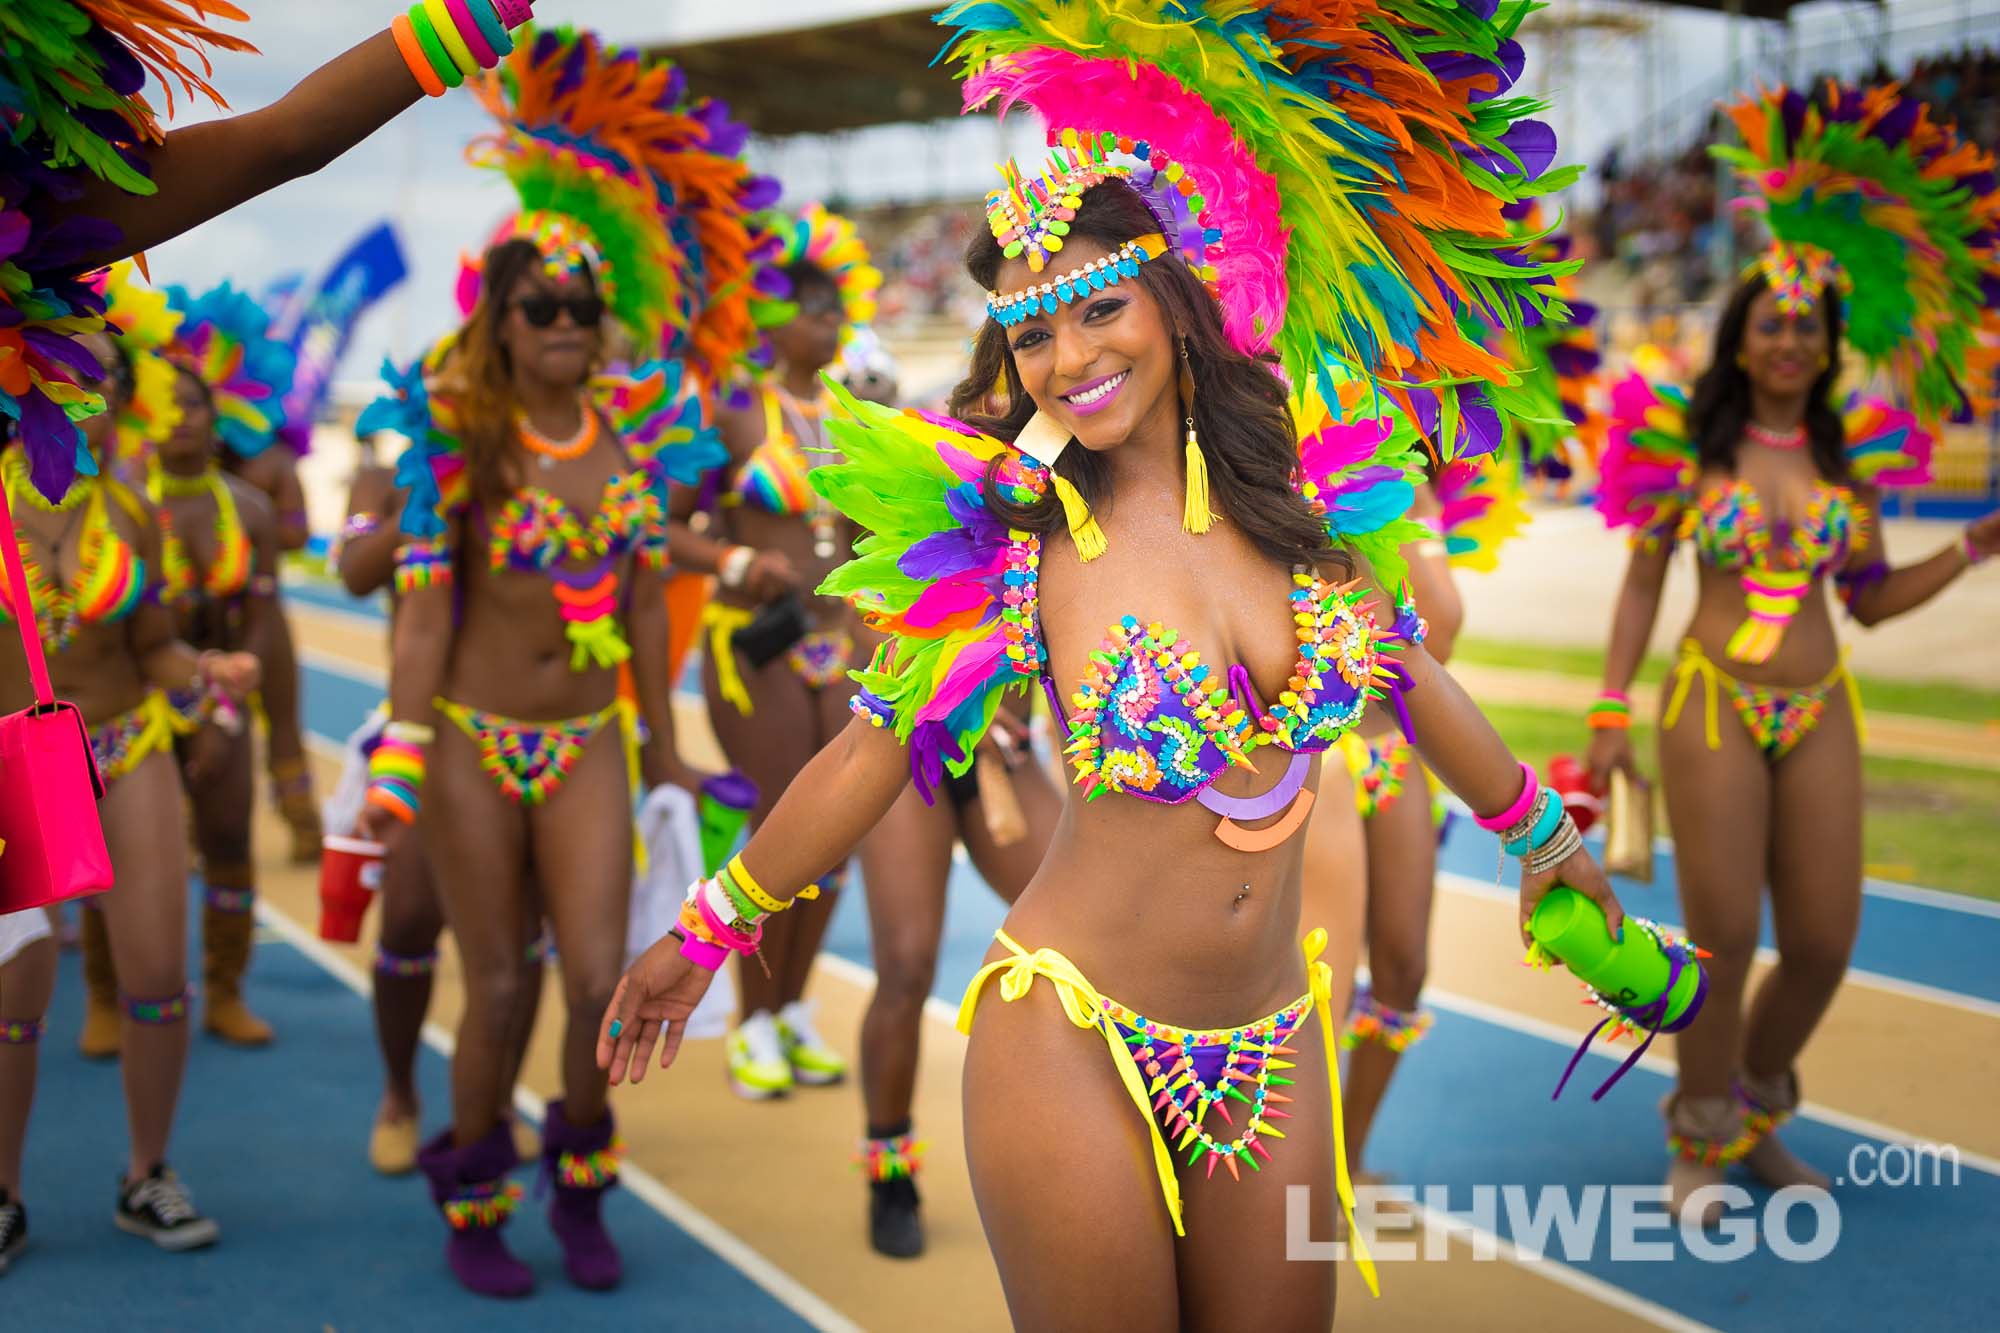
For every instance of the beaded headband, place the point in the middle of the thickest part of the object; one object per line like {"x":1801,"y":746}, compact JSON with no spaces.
{"x":1031,"y":216}
{"x":1800,"y":274}
{"x":1044,"y":297}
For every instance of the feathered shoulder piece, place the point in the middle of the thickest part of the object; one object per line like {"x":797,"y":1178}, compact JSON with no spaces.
{"x":1480,"y":509}
{"x":663,"y":421}
{"x":72,"y":75}
{"x":1336,"y":169}
{"x":951,"y":585}
{"x":648,"y":179}
{"x":225,"y":339}
{"x":1359,"y":464}
{"x":431,"y":470}
{"x":1650,"y":467}
{"x":1886,"y":446}
{"x":1869,"y":197}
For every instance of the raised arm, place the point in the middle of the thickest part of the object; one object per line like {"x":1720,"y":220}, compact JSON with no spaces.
{"x":203,"y":171}
{"x":1874,"y":591}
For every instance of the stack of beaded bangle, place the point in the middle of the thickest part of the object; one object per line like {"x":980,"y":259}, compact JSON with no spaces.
{"x":396,"y":778}
{"x":1611,"y":712}
{"x":446,"y":42}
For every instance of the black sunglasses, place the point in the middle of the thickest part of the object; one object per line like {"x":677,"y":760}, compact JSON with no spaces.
{"x":586,"y":312}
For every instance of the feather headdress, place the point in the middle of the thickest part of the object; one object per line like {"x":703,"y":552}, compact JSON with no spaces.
{"x":647,"y":176}
{"x":1336,"y":168}
{"x":225,"y":341}
{"x":72,"y":74}
{"x":1866,"y":195}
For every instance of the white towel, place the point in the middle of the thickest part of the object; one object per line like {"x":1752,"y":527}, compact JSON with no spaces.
{"x":670,"y":824}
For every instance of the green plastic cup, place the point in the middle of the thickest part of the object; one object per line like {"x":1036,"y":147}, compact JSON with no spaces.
{"x":1571,"y":928}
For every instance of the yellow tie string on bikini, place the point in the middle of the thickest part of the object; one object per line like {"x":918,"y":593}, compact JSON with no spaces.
{"x":1320,"y":978}
{"x":1694,"y":662}
{"x":723,"y":621}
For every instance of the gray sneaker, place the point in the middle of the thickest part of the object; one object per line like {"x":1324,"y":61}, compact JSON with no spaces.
{"x":13,"y":1229}
{"x":159,"y":1208}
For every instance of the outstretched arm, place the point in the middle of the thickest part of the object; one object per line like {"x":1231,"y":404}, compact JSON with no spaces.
{"x":1875,"y":592}
{"x":203,"y":171}
{"x":828,"y":808}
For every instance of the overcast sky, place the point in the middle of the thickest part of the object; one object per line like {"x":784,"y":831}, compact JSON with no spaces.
{"x":413,"y":172}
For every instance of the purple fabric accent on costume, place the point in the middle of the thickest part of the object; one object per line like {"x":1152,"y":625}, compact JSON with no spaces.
{"x":1209,"y":1058}
{"x":1244,"y":690}
{"x":1275,"y":801}
{"x":1648,"y":1016}
{"x":569,"y":578}
{"x":1400,"y":683}
{"x":1054,"y":696}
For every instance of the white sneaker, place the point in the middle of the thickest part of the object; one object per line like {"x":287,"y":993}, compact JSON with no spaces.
{"x":758,"y":1069}
{"x":813,"y":1062}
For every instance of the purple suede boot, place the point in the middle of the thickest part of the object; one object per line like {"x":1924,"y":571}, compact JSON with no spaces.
{"x":471,"y":1189}
{"x":582,"y":1160}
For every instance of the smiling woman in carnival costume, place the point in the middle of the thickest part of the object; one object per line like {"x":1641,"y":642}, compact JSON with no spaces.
{"x":1234,"y":191}
{"x":535,"y":540}
{"x":1886,"y":236}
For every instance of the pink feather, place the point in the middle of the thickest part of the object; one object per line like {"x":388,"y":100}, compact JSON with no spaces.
{"x":1070,"y":92}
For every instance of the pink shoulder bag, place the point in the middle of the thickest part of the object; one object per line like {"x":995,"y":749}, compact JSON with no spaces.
{"x":51,"y":843}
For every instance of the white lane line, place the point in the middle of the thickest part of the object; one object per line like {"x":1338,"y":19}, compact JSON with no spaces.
{"x":1466,"y":886}
{"x":781,"y":1286}
{"x":862,"y":976}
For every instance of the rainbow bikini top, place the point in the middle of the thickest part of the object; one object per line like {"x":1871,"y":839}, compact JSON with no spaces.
{"x":954,"y":590}
{"x":773,"y":478}
{"x":228,"y":575}
{"x":110,"y":579}
{"x":1652,"y":482}
{"x":1730,"y":530}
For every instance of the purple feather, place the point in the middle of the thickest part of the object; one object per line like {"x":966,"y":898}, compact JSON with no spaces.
{"x":1478,"y":422}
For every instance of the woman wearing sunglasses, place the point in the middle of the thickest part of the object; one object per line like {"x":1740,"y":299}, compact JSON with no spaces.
{"x":531,"y":571}
{"x":95,"y":571}
{"x":406,"y":949}
{"x":778,"y":657}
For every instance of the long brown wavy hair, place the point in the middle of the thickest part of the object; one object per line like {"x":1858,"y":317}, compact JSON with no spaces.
{"x":478,"y":374}
{"x":1240,"y":412}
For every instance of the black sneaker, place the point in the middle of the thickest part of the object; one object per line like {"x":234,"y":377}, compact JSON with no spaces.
{"x":895,"y":1226}
{"x":13,"y":1229}
{"x":159,"y":1208}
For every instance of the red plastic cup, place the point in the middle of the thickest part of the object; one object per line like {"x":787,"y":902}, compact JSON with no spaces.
{"x":350,"y":871}
{"x":1571,"y":782}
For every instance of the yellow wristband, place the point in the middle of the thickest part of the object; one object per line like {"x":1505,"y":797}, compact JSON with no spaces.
{"x":454,"y":45}
{"x":740,"y":876}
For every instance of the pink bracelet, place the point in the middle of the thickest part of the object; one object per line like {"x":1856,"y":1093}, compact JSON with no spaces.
{"x":1512,"y":815}
{"x":702,"y":954}
{"x":729,"y":937}
{"x":468,"y":29}
{"x":1972,"y":555}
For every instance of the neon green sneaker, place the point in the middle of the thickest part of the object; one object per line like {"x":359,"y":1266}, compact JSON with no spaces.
{"x":812,"y":1061}
{"x":758,"y":1069}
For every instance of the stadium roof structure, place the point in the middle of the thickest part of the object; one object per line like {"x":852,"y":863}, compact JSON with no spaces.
{"x":817,"y":66}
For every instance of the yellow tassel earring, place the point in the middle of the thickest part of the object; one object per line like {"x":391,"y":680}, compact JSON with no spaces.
{"x":1196,"y":518}
{"x":1043,"y":440}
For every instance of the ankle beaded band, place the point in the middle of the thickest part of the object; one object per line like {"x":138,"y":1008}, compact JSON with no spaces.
{"x":23,"y":1033}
